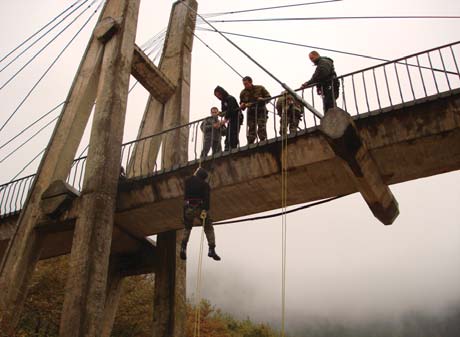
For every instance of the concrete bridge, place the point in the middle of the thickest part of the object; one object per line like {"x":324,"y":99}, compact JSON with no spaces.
{"x":394,"y":122}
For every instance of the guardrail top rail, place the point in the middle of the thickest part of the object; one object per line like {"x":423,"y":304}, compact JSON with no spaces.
{"x":376,"y":89}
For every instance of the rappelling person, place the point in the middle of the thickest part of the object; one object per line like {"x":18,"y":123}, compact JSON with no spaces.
{"x":232,"y":117}
{"x":290,"y":111}
{"x":254,"y":98}
{"x":212,"y":133}
{"x":196,"y":206}
{"x":325,"y":79}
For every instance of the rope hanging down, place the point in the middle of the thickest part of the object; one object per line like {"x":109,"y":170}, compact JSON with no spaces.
{"x":284,"y":85}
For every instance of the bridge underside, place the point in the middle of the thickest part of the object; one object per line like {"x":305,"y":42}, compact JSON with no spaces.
{"x":409,"y":142}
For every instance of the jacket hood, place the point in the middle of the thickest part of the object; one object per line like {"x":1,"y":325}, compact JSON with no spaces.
{"x":222,"y":91}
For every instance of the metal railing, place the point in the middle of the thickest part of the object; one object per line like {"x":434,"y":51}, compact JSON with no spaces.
{"x":373,"y":90}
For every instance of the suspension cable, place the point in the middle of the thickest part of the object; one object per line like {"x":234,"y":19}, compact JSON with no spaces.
{"x":217,"y":54}
{"x":284,"y":85}
{"x":49,"y":68}
{"x":321,"y":18}
{"x":29,"y":139}
{"x":270,"y":8}
{"x":39,"y":31}
{"x":28,"y":164}
{"x":44,"y":47}
{"x":32,"y":124}
{"x":325,"y":49}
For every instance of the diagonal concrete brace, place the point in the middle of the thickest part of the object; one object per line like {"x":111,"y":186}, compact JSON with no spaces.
{"x":343,"y":137}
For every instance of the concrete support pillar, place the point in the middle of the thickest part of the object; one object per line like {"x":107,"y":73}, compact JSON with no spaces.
{"x":175,"y":64}
{"x":84,"y":301}
{"x":169,"y":304}
{"x":24,"y":248}
{"x":343,"y":136}
{"x":114,"y":286}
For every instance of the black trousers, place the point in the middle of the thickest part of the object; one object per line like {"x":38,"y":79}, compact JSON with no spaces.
{"x":233,"y":131}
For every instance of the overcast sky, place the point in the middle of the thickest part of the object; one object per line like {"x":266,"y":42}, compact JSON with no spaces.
{"x":341,"y":261}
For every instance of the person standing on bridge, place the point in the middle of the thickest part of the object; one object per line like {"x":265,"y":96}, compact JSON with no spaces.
{"x":197,"y":201}
{"x":232,"y":116}
{"x":325,"y":79}
{"x":212,"y":133}
{"x":254,"y":98}
{"x":290,"y":112}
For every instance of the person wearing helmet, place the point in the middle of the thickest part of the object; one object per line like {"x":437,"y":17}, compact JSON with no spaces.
{"x":196,"y":207}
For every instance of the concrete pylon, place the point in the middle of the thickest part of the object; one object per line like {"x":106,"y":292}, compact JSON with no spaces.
{"x":103,"y":74}
{"x":175,"y":64}
{"x":84,"y":300}
{"x":170,"y":297}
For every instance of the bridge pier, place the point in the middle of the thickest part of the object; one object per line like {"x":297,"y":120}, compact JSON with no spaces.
{"x":169,"y":304}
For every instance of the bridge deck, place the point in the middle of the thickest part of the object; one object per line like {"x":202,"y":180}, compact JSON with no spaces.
{"x":409,"y":142}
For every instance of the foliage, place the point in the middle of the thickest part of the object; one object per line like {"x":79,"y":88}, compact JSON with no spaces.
{"x":42,"y":309}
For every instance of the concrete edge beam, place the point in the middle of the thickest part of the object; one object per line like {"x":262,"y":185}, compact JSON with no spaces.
{"x":343,"y":137}
{"x":153,"y":80}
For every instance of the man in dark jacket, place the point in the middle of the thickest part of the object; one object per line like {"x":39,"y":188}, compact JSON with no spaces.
{"x":197,"y":201}
{"x":325,"y":79}
{"x":232,"y":115}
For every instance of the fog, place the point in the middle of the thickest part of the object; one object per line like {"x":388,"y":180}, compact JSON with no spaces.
{"x":342,"y":264}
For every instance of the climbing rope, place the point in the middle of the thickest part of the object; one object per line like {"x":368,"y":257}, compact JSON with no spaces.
{"x":197,"y":325}
{"x":284,"y":191}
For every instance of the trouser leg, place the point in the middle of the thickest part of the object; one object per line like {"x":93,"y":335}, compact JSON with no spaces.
{"x":251,"y":134}
{"x":328,"y":99}
{"x":209,"y":231}
{"x":216,"y":146}
{"x":283,"y":124}
{"x":189,"y":214}
{"x":262,"y":125}
{"x":206,"y":147}
{"x":233,"y":132}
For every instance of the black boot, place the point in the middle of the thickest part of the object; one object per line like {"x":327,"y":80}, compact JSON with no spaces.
{"x":212,"y":253}
{"x":183,"y":251}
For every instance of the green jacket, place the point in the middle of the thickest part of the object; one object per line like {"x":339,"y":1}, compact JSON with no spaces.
{"x":252,"y":95}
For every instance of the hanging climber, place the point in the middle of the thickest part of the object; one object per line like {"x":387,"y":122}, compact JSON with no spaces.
{"x":325,"y":79}
{"x":196,"y":206}
{"x":232,"y":117}
{"x":212,"y":133}
{"x":290,"y":111}
{"x":254,"y":97}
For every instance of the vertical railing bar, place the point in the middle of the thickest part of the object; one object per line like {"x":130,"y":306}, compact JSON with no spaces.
{"x":376,"y":89}
{"x":303,"y":113}
{"x":445,"y":71}
{"x":388,"y":85}
{"x":432,"y":71}
{"x":455,"y":61}
{"x":399,"y":82}
{"x":354,"y":93}
{"x":365,"y":92}
{"x":344,"y":100}
{"x":12,"y":197}
{"x":410,"y":79}
{"x":82,"y":174}
{"x":17,"y":195}
{"x":141,"y":174}
{"x":196,"y":126}
{"x":421,"y":76}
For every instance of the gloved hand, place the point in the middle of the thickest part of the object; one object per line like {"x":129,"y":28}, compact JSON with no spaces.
{"x":203,"y":214}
